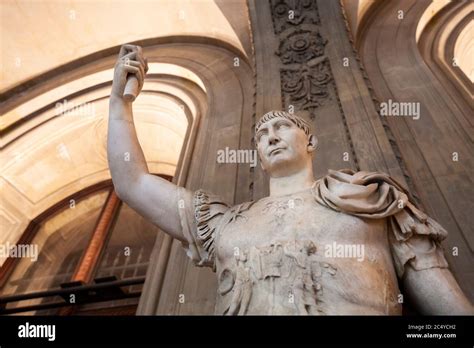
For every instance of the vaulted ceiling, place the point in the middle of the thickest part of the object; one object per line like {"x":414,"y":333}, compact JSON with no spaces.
{"x":57,"y":62}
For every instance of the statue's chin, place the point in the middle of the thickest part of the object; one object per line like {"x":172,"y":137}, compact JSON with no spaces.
{"x":280,"y":168}
{"x":276,"y":163}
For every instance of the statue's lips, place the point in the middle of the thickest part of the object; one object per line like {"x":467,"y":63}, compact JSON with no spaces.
{"x":277,"y":149}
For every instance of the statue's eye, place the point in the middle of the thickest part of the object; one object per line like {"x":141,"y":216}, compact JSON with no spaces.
{"x":259,"y":136}
{"x":283,"y":125}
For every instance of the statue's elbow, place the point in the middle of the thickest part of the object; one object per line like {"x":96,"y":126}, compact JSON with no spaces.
{"x":122,"y":191}
{"x":119,"y":188}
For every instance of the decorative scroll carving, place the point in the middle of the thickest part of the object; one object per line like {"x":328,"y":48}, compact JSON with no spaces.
{"x":302,"y":11}
{"x":307,"y":81}
{"x":300,"y":46}
{"x":305,"y":74}
{"x":306,"y":88}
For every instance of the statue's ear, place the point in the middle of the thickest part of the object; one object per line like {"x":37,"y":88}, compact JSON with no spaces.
{"x":260,"y":159}
{"x":261,"y":165}
{"x":312,"y":143}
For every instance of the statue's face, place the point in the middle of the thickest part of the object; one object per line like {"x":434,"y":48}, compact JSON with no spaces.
{"x":284,"y":149}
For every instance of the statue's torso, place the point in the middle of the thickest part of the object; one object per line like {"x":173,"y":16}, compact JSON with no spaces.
{"x":273,"y":258}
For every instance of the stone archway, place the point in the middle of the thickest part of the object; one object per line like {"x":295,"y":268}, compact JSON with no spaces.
{"x":410,"y":60}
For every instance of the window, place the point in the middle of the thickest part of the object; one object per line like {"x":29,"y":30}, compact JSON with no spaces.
{"x":91,"y":246}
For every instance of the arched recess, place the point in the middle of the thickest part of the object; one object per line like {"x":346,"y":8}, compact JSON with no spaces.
{"x":404,"y":70}
{"x":217,"y":102}
{"x":227,"y":119}
{"x":52,"y":152}
{"x":463,"y":47}
{"x":437,"y":43}
{"x":62,"y":235}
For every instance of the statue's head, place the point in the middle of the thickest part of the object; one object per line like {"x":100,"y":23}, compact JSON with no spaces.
{"x":284,"y":142}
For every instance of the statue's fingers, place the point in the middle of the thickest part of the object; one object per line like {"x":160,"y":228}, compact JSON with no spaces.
{"x":130,"y":69}
{"x":141,"y":76}
{"x":139,"y":64}
{"x":129,"y":56}
{"x":146,"y":65}
{"x":125,"y":49}
{"x":140,"y":73}
{"x":135,"y":64}
{"x":141,"y":60}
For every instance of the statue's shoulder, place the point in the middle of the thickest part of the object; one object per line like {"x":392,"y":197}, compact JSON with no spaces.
{"x":360,"y":178}
{"x":349,"y":175}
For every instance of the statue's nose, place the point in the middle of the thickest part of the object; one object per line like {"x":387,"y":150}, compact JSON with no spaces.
{"x":273,"y":138}
{"x":273,"y":141}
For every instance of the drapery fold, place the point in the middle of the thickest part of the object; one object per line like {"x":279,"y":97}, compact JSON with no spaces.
{"x":376,"y":195}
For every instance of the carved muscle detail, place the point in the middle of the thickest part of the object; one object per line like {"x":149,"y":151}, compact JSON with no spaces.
{"x":293,"y":262}
{"x":280,"y":208}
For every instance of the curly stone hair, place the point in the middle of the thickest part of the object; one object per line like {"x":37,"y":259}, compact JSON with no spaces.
{"x":296,"y":120}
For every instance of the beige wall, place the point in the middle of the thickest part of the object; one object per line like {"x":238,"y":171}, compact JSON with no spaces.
{"x":55,"y":32}
{"x":46,"y":156}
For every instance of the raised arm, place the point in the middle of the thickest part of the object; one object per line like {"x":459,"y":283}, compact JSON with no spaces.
{"x":152,"y":197}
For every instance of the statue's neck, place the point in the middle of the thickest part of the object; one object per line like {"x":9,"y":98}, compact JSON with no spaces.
{"x":297,"y":182}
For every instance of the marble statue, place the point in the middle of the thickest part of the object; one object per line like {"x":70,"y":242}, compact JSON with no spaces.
{"x":337,"y":245}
